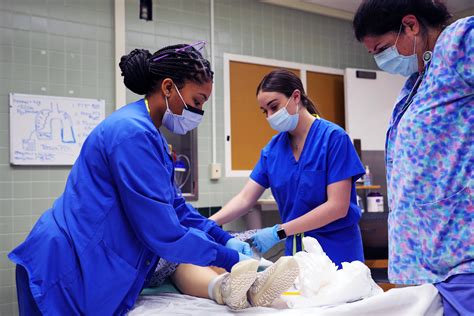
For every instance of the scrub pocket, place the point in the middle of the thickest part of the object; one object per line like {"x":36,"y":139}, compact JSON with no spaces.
{"x":103,"y":286}
{"x":312,"y":188}
{"x":445,"y":231}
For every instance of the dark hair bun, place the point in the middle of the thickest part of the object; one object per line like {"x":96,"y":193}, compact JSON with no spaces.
{"x":136,"y":71}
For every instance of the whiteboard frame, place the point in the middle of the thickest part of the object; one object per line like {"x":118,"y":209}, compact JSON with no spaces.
{"x":12,"y":148}
{"x":303,"y":68}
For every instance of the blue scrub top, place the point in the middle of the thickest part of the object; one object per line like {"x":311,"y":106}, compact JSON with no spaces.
{"x":328,"y":156}
{"x":91,"y":253}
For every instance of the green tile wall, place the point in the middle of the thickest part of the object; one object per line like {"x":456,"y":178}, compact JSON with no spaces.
{"x":62,"y":48}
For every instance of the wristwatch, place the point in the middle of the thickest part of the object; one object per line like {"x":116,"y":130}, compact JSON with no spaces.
{"x":281,"y":233}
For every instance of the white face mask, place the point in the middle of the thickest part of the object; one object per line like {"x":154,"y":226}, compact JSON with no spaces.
{"x":282,"y":121}
{"x":181,"y":124}
{"x":392,"y":62}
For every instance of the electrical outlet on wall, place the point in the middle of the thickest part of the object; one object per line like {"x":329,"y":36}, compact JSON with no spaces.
{"x":215,"y":171}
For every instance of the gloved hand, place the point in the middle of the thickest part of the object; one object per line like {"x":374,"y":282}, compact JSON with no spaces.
{"x":243,"y":257}
{"x":265,"y":238}
{"x":241,"y":246}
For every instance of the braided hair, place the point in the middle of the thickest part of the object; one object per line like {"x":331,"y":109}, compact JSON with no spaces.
{"x":143,"y":72}
{"x":284,"y":81}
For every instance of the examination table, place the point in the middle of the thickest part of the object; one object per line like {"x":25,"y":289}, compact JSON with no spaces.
{"x":414,"y":300}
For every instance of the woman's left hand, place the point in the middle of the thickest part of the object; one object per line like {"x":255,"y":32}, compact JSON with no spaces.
{"x":266,"y":238}
{"x":240,"y":246}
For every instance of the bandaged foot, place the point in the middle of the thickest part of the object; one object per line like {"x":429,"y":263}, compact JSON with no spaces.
{"x":231,"y":288}
{"x":272,"y":282}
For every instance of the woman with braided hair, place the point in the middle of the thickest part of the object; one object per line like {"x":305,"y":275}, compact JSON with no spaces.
{"x":92,"y":252}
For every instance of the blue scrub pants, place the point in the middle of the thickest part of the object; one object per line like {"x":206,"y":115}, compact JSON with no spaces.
{"x":457,"y":294}
{"x":26,"y":303}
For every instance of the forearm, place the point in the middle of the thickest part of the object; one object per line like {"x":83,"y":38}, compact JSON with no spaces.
{"x":234,"y":209}
{"x":318,"y":217}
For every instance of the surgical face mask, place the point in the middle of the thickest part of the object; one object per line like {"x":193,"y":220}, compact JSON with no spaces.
{"x":181,"y":124}
{"x":282,"y":121}
{"x":392,"y":62}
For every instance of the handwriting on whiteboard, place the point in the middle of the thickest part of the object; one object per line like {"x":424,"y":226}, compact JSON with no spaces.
{"x":48,"y":130}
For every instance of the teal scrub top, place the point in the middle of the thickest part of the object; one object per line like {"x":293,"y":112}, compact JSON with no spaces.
{"x":429,"y":163}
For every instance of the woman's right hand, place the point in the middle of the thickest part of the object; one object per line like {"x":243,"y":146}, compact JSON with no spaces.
{"x":240,"y":246}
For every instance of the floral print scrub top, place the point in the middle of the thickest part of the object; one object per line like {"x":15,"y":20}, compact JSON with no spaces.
{"x":429,"y":158}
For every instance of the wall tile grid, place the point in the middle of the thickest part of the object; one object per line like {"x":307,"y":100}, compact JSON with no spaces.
{"x":61,"y":48}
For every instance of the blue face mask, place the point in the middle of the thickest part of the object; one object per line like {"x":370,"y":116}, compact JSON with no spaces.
{"x":282,"y":121}
{"x":392,"y":62}
{"x":181,"y":124}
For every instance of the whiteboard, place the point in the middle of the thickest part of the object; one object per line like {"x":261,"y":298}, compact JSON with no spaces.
{"x":369,"y":104}
{"x":49,"y":130}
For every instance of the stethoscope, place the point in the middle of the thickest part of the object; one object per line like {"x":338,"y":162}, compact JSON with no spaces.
{"x":409,"y":100}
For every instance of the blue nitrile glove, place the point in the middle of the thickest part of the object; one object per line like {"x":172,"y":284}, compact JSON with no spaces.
{"x":243,"y":257}
{"x":241,"y":246}
{"x":266,"y":238}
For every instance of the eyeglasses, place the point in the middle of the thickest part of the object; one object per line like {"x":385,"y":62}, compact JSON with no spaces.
{"x":199,"y":46}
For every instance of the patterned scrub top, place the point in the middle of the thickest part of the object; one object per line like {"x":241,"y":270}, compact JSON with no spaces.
{"x":429,"y":159}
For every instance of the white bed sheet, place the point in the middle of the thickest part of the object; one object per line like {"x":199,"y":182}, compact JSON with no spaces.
{"x":413,"y":301}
